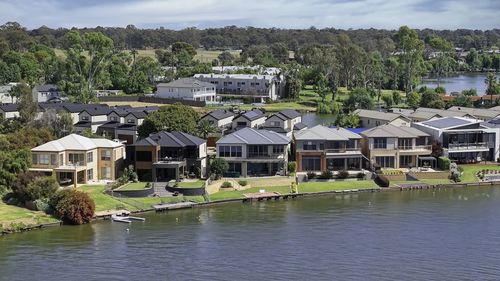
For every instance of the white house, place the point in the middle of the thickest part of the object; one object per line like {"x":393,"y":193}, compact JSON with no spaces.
{"x":9,"y":111}
{"x":252,"y":119}
{"x":285,"y":122}
{"x":187,"y":89}
{"x":47,"y":92}
{"x":220,"y":118}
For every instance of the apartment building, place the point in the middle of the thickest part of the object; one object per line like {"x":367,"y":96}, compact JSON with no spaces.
{"x":390,"y":146}
{"x":321,"y":148}
{"x":252,"y":152}
{"x":75,"y":159}
{"x":187,"y":89}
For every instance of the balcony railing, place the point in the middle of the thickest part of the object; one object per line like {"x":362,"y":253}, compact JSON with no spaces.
{"x":170,"y":159}
{"x":342,"y":150}
{"x":416,"y":147}
{"x":265,"y":156}
{"x":466,"y":146}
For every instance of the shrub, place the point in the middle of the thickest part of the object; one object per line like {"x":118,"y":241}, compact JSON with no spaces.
{"x":292,"y":167}
{"x":243,"y":182}
{"x":21,"y":183}
{"x":377,"y":168}
{"x":343,"y":174}
{"x":41,"y":188}
{"x":326,"y":175}
{"x":226,"y":184}
{"x":361,"y":175}
{"x":294,"y":187}
{"x":311,"y":175}
{"x":382,"y":181}
{"x":147,"y":186}
{"x":72,"y":206}
{"x":218,"y":167}
{"x":444,"y":163}
{"x":43,"y":205}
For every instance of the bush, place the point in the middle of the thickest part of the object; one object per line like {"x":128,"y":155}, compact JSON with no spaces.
{"x":72,"y":206}
{"x":43,"y":205}
{"x":294,"y":187}
{"x":444,"y":163}
{"x":326,"y":175}
{"x":242,"y":183}
{"x":343,"y":174}
{"x":361,"y":175}
{"x":382,"y":181}
{"x":292,"y":167}
{"x":377,"y":168}
{"x":226,"y":184}
{"x":218,"y":167}
{"x":41,"y":188}
{"x":311,"y":175}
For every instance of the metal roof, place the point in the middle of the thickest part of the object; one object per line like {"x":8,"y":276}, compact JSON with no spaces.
{"x":170,"y":139}
{"x":252,"y":136}
{"x":186,"y":83}
{"x":387,"y":116}
{"x":448,"y":122}
{"x":76,"y":142}
{"x":320,"y":132}
{"x":389,"y":130}
{"x":219,"y":114}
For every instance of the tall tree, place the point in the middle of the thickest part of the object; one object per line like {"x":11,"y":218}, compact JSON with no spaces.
{"x":410,"y":55}
{"x":491,"y":86}
{"x":26,"y":105}
{"x":349,"y":57}
{"x":442,"y":49}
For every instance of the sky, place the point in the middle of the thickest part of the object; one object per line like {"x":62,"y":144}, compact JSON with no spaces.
{"x":178,"y":14}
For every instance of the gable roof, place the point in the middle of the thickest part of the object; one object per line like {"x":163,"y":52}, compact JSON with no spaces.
{"x":97,"y":110}
{"x":477,"y":112}
{"x":389,"y":130}
{"x":46,"y":88}
{"x":9,"y":107}
{"x":219,"y":114}
{"x":170,"y":139}
{"x":252,"y":136}
{"x":252,"y":115}
{"x":186,"y":83}
{"x":76,"y":142}
{"x":320,"y":132}
{"x":290,"y":113}
{"x":387,"y":116}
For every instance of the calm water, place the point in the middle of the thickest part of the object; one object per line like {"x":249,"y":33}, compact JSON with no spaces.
{"x":460,"y":82}
{"x":313,"y":119}
{"x":413,"y":235}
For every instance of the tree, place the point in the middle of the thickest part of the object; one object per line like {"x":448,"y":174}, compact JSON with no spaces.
{"x":293,"y":83}
{"x":321,"y":87}
{"x":442,"y":49}
{"x":349,"y":57}
{"x":218,"y":167}
{"x":26,"y":105}
{"x":410,"y":55}
{"x":205,"y":128}
{"x":396,"y":97}
{"x":413,"y":99}
{"x":225,"y":58}
{"x":73,"y":206}
{"x":492,"y":87}
{"x":388,"y":100}
{"x":376,"y":73}
{"x":181,"y":47}
{"x":60,"y":124}
{"x":472,"y":59}
{"x":176,"y":117}
{"x":359,"y":99}
{"x":41,"y":188}
{"x":470,"y":92}
{"x":431,"y":99}
{"x":460,"y":100}
{"x":349,"y":120}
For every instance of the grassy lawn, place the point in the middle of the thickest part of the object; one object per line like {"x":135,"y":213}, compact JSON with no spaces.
{"x":103,"y":202}
{"x":471,"y":170}
{"x":234,"y":194}
{"x":134,"y":186}
{"x":339,"y":185}
{"x":12,"y":216}
{"x":191,"y":184}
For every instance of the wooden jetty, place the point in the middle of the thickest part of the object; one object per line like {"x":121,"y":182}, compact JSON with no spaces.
{"x":173,"y":206}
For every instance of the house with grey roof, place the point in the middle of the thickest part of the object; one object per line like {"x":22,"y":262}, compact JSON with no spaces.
{"x":91,"y":118}
{"x":389,"y":146}
{"x":166,"y":156}
{"x":9,"y":111}
{"x":464,"y":140}
{"x":47,"y":93}
{"x":252,"y":152}
{"x":221,"y":118}
{"x":5,"y":96}
{"x":479,"y":113}
{"x":284,"y":122}
{"x":252,"y":119}
{"x":321,"y":148}
{"x":374,"y":118}
{"x":187,"y":89}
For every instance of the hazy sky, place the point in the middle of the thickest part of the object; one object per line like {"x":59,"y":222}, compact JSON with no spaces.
{"x":438,"y":14}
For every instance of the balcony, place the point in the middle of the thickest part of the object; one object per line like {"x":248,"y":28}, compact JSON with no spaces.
{"x":468,"y":146}
{"x":343,"y":150}
{"x":264,"y":156}
{"x":416,"y":147}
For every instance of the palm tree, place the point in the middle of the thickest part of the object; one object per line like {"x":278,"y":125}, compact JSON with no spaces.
{"x":205,"y":128}
{"x":491,"y":83}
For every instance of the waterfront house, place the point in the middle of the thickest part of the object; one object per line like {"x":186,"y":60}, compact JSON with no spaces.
{"x":187,"y":89}
{"x":252,"y":119}
{"x":284,"y":122}
{"x":390,"y":146}
{"x":321,"y":148}
{"x":75,"y":159}
{"x":252,"y":152}
{"x":256,"y":87}
{"x":464,"y":140}
{"x":478,"y":113}
{"x":9,"y":111}
{"x":424,"y":114}
{"x":165,"y":156}
{"x":373,"y":118}
{"x":47,"y":93}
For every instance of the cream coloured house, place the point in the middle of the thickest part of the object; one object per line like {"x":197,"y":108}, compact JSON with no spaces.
{"x":75,"y":159}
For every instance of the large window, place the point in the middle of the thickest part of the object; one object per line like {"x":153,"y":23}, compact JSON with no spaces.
{"x":106,"y":155}
{"x":230,"y":151}
{"x":43,"y":159}
{"x":405,"y":143}
{"x":90,"y":157}
{"x":405,"y":161}
{"x":385,"y":161}
{"x":106,"y":172}
{"x":257,"y":150}
{"x":309,"y":146}
{"x":76,"y":159}
{"x":144,"y":156}
{"x":90,"y":174}
{"x":380,"y":143}
{"x":311,"y":164}
{"x":278,"y":149}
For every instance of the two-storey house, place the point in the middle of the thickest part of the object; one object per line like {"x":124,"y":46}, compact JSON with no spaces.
{"x":91,"y":118}
{"x":187,"y":89}
{"x":165,"y":156}
{"x":284,"y":122}
{"x":220,"y":118}
{"x":252,"y":119}
{"x":390,"y":146}
{"x":252,"y":152}
{"x":47,"y":93}
{"x":464,"y":140}
{"x":320,"y":148}
{"x":75,"y":159}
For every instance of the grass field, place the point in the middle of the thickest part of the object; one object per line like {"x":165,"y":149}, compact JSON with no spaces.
{"x":13,"y":216}
{"x":235,"y":194}
{"x":470,"y":171}
{"x":191,"y":184}
{"x":134,"y":186}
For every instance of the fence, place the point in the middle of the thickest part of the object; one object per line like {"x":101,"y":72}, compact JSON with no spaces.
{"x":429,"y":175}
{"x":152,"y":100}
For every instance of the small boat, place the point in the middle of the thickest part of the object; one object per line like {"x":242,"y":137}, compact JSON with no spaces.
{"x":125,"y":219}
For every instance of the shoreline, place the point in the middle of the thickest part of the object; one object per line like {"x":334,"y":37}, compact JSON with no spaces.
{"x":281,"y":197}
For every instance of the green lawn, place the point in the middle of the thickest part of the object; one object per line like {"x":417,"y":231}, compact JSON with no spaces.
{"x":191,"y":184}
{"x":339,"y":185}
{"x":471,"y":170}
{"x":13,"y":216}
{"x":134,"y":186}
{"x":235,"y":194}
{"x":103,"y":202}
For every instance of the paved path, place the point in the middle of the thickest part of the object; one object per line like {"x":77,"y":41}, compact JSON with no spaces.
{"x":160,"y":190}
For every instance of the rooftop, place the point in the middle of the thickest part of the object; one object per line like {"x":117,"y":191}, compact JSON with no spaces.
{"x":449,"y":122}
{"x":186,"y":83}
{"x":389,"y":130}
{"x":236,"y":76}
{"x":320,"y":132}
{"x":170,"y":139}
{"x":76,"y":142}
{"x":219,"y":114}
{"x":387,"y":116}
{"x":252,"y":136}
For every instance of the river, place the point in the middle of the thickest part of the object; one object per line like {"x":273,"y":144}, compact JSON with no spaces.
{"x":448,"y":234}
{"x":460,"y":82}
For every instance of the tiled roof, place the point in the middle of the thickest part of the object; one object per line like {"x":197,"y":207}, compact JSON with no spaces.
{"x":76,"y":142}
{"x":389,"y":130}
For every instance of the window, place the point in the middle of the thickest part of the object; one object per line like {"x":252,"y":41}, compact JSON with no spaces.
{"x":311,"y":164}
{"x":106,"y":155}
{"x":405,"y":161}
{"x":230,"y":151}
{"x":257,"y":84}
{"x":257,"y":150}
{"x":90,"y":157}
{"x":275,"y":123}
{"x":76,"y":159}
{"x":405,"y":143}
{"x":53,"y":159}
{"x":90,"y":174}
{"x":85,"y":118}
{"x":380,"y":143}
{"x":235,"y":151}
{"x":309,"y":146}
{"x":34,"y":159}
{"x":43,"y":159}
{"x":114,"y":118}
{"x":143,"y":156}
{"x":241,"y":124}
{"x":61,"y":159}
{"x":131,"y":121}
{"x":106,"y":172}
{"x":278,"y":149}
{"x":385,"y":161}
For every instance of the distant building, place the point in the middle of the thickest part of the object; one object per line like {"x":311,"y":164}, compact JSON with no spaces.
{"x":373,"y":118}
{"x":47,"y":93}
{"x":5,"y":94}
{"x":187,"y":89}
{"x":251,"y":119}
{"x":254,"y":86}
{"x":220,"y":118}
{"x":9,"y":111}
{"x":284,"y":122}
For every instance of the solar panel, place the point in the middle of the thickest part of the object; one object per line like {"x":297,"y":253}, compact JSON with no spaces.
{"x":446,"y":122}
